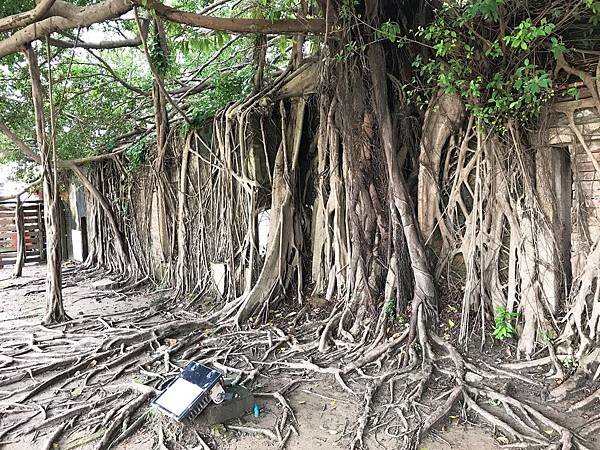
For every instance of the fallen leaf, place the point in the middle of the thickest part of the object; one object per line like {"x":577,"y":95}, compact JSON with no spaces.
{"x":502,"y":440}
{"x":76,"y":392}
{"x":218,"y":430}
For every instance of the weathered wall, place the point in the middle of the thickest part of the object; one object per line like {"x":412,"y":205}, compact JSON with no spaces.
{"x":579,"y":140}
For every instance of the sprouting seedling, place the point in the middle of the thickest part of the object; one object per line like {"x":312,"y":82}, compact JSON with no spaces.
{"x":503,"y":327}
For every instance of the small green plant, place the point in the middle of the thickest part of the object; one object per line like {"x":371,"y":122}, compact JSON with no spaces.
{"x":569,"y":363}
{"x":526,"y":32}
{"x":347,"y":8}
{"x":392,"y":314}
{"x":388,"y":30}
{"x":594,"y":6}
{"x":511,"y":86}
{"x":573,"y":92}
{"x":548,"y":337}
{"x":390,"y":309}
{"x":503,"y":327}
{"x":488,"y":9}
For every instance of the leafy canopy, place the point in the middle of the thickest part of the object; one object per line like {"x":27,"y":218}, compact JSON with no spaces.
{"x":102,"y":95}
{"x":497,"y":55}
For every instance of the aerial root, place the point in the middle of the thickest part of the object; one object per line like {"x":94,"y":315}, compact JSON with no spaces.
{"x":586,"y":401}
{"x":70,"y":414}
{"x":285,"y":438}
{"x":16,"y":425}
{"x":496,"y":422}
{"x":287,"y":412}
{"x":442,"y":411}
{"x":567,"y":438}
{"x":524,"y":424}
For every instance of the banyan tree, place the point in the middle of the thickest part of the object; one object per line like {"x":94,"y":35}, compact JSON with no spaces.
{"x":426,"y":172}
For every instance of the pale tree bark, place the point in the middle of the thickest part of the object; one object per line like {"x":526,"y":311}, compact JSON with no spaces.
{"x":182,"y":256}
{"x":281,"y":255}
{"x":27,"y":17}
{"x":235,"y":25}
{"x":161,"y":121}
{"x":441,"y":122}
{"x":119,"y":241}
{"x":63,"y":16}
{"x":549,"y":244}
{"x":54,"y":302}
{"x":102,"y":45}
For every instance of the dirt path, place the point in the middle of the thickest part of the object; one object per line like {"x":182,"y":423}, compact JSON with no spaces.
{"x":325,"y":414}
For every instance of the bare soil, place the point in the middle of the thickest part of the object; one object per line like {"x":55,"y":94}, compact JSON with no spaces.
{"x":325,"y":414}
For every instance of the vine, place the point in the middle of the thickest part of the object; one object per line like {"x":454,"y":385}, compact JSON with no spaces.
{"x":503,"y":84}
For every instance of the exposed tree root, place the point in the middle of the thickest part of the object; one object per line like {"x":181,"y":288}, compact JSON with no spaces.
{"x":49,"y":445}
{"x":100,"y":399}
{"x":123,"y":415}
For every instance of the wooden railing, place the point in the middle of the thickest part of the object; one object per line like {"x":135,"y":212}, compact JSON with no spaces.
{"x":26,"y":219}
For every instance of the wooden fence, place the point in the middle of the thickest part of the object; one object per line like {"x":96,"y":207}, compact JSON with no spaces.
{"x":32,"y":214}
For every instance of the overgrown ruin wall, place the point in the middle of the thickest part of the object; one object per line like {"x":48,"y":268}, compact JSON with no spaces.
{"x":524,"y":260}
{"x":576,"y":177}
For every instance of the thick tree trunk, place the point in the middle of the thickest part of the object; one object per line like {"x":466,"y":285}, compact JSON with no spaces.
{"x":54,"y":301}
{"x":20,"y":238}
{"x":278,"y":265}
{"x":424,"y":288}
{"x":441,"y":122}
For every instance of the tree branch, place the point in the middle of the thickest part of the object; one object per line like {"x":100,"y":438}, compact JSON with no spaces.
{"x":117,"y":78}
{"x":285,"y":26}
{"x":22,"y":191}
{"x":27,"y":17}
{"x":64,"y":16}
{"x":22,"y":146}
{"x":73,"y":165}
{"x":31,"y":155}
{"x":135,"y":42}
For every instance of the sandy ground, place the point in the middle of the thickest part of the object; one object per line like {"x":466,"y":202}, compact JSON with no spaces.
{"x":325,"y":414}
